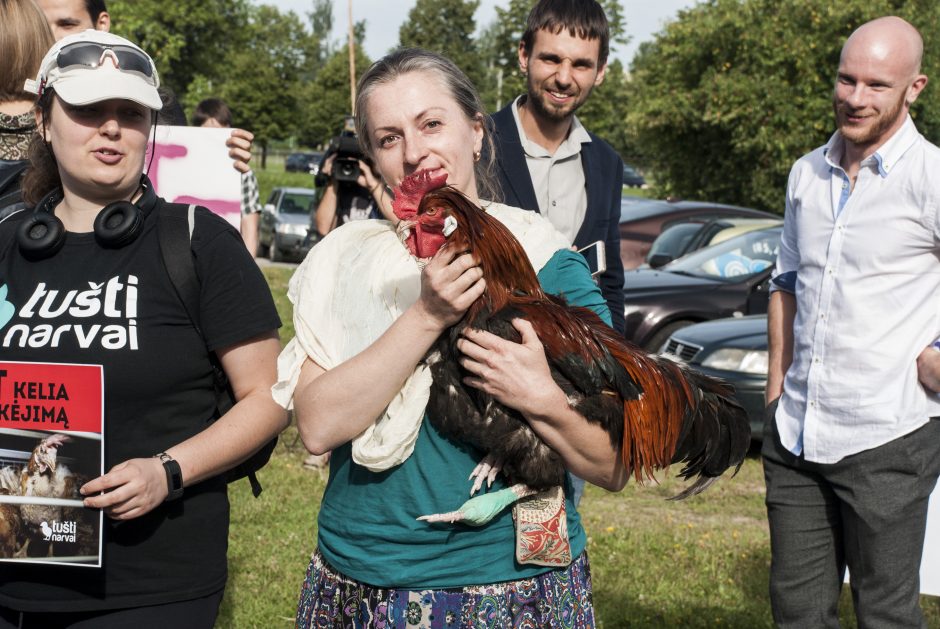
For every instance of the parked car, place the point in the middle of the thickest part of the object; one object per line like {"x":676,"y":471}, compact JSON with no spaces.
{"x":303,"y":162}
{"x":632,"y":178}
{"x":684,"y":237}
{"x":731,"y":278}
{"x":642,"y":220}
{"x":733,"y":349}
{"x":285,"y":220}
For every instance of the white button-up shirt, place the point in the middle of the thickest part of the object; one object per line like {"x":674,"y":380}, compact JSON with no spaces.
{"x":558,"y":179}
{"x":868,"y":296}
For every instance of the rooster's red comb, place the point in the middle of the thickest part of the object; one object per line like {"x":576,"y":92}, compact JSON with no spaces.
{"x":411,"y":190}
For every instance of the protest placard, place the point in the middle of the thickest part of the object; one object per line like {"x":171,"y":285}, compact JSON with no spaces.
{"x":191,"y":165}
{"x":51,"y":443}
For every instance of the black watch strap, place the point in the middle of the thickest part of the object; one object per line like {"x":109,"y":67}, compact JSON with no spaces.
{"x":174,"y":476}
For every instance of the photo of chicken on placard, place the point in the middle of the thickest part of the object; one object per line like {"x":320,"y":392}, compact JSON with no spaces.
{"x":50,"y":445}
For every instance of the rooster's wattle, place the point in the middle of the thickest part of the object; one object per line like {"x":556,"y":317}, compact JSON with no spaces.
{"x":656,"y":412}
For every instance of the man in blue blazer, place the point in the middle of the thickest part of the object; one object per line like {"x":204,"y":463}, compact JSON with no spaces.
{"x":546,"y":161}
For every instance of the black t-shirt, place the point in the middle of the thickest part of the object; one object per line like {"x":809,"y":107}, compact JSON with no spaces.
{"x":354,"y":203}
{"x":117,"y":308}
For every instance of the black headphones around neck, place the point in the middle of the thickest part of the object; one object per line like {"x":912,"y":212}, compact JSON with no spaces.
{"x":42,"y":234}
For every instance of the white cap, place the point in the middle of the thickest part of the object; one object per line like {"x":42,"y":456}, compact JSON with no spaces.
{"x":83,"y":85}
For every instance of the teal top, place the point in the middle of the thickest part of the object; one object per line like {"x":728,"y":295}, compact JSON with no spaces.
{"x":367,"y":524}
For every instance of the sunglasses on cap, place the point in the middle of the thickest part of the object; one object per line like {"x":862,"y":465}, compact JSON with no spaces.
{"x":91,"y":55}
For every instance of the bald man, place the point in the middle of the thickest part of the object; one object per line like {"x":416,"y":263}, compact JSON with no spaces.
{"x":852,"y":436}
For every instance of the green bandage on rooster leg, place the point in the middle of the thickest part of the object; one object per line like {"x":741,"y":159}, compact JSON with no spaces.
{"x":480,"y":510}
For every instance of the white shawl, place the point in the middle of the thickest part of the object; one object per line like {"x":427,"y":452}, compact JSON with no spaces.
{"x":351,"y":287}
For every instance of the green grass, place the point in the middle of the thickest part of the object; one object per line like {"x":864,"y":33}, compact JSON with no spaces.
{"x":643,"y":193}
{"x":270,"y":541}
{"x":278,"y":277}
{"x":699,"y":563}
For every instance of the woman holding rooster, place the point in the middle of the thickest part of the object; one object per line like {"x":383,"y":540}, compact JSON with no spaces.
{"x":366,"y":315}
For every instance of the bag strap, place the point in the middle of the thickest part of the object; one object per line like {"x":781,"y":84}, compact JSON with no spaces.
{"x":175,"y":229}
{"x":175,"y":224}
{"x":11,"y":180}
{"x":11,"y":194}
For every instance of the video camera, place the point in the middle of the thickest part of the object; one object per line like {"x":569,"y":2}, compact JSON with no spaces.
{"x":345,"y":147}
{"x":348,"y":154}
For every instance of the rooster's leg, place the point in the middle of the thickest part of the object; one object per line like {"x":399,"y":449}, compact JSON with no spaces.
{"x":486,"y":469}
{"x":480,"y":510}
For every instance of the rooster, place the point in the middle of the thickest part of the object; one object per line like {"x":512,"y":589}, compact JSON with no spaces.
{"x":656,"y":412}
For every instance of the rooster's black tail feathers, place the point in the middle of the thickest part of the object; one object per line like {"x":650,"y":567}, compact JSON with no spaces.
{"x":715,"y":435}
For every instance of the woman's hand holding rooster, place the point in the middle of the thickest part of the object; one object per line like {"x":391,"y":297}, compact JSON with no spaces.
{"x":450,"y":283}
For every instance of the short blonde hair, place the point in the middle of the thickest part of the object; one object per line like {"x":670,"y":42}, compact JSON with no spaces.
{"x":25,"y":37}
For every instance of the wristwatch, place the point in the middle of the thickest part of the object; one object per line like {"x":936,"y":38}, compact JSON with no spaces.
{"x":174,"y":476}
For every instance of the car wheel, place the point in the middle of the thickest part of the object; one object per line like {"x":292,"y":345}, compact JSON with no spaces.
{"x":662,"y":335}
{"x":274,"y":253}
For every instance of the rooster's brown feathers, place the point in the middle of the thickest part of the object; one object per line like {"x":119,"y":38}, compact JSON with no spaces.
{"x":656,"y":411}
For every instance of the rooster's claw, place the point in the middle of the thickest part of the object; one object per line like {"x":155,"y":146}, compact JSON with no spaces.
{"x":451,"y":517}
{"x":487,"y":469}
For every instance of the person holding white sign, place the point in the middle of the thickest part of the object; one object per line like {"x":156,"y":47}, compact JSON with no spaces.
{"x":214,"y":113}
{"x":83,"y":281}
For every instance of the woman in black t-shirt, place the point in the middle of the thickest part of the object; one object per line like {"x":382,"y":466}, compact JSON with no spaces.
{"x":82,"y":281}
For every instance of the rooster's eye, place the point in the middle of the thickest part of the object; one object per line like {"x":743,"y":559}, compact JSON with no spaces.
{"x":431,"y":212}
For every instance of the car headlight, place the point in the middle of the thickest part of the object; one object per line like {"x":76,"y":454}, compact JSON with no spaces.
{"x":743,"y":360}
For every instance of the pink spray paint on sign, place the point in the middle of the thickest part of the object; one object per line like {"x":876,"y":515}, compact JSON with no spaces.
{"x":191,"y":165}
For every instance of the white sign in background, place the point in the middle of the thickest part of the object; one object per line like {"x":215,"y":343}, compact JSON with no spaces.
{"x":192,"y":165}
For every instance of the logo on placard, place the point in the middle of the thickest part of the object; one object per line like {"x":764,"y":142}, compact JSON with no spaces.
{"x":59,"y":531}
{"x":7,"y":310}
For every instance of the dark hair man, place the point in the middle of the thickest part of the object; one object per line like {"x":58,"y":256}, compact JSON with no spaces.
{"x":67,"y":17}
{"x":547,"y":161}
{"x":852,"y":448}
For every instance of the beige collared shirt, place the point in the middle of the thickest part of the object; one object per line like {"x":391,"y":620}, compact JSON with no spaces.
{"x":558,"y":180}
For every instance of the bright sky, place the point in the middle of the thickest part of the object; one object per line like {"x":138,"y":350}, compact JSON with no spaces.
{"x":383,"y":18}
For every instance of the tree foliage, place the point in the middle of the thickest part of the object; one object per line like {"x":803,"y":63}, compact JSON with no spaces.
{"x":445,"y":26}
{"x":273,"y":58}
{"x":321,"y":25}
{"x":328,"y":96}
{"x":730,"y":94}
{"x":286,"y":77}
{"x":605,"y":112}
{"x":185,"y":38}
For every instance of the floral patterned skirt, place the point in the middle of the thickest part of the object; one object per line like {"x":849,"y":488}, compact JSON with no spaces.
{"x":558,"y":598}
